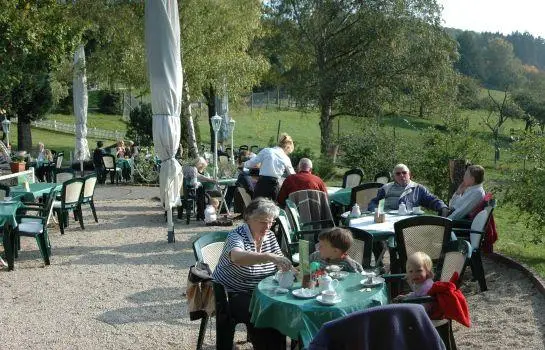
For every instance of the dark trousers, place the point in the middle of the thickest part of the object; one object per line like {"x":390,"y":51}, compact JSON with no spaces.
{"x":261,"y":338}
{"x":267,"y":187}
{"x":243,"y":180}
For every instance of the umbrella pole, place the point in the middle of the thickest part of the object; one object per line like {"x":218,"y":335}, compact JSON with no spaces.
{"x":170,"y":224}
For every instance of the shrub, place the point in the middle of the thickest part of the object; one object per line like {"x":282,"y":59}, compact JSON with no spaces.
{"x":299,"y":153}
{"x":110,"y":102}
{"x":140,"y":125}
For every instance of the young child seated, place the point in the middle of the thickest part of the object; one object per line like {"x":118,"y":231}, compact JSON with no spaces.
{"x":210,"y":211}
{"x":334,"y":244}
{"x":419,"y":275}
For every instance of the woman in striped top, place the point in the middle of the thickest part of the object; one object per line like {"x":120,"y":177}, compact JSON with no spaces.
{"x":251,"y":253}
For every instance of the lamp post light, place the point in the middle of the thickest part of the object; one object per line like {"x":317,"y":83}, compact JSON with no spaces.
{"x":216,"y":124}
{"x":5,"y":127}
{"x":232,"y":131}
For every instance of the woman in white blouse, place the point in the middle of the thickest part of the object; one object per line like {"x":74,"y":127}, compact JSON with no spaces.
{"x":274,"y":164}
{"x":469,"y":194}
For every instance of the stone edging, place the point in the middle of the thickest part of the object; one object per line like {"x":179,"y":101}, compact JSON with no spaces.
{"x":536,"y":280}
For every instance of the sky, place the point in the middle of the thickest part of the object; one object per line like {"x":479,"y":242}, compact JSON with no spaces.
{"x":504,"y":16}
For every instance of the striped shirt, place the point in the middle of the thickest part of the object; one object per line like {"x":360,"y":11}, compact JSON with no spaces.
{"x":238,"y":278}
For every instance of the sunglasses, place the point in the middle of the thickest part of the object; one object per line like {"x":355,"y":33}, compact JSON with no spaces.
{"x":401,"y":172}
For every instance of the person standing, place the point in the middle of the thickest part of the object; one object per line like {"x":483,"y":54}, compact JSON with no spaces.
{"x":97,"y":162}
{"x":303,"y":180}
{"x":274,"y":164}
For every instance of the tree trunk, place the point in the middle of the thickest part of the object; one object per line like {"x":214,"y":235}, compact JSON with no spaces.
{"x":24,"y":135}
{"x":210,"y":95}
{"x":190,"y":138}
{"x":326,"y":125}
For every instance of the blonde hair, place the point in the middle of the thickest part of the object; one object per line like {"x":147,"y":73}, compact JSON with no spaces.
{"x":286,"y":143}
{"x":420,"y":259}
{"x":214,"y":202}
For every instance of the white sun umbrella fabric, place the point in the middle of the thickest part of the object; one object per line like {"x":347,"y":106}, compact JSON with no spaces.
{"x":165,"y":73}
{"x":80,"y":100}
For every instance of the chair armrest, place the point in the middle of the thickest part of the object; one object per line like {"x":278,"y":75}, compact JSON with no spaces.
{"x":18,"y":218}
{"x":33,"y":204}
{"x":321,"y":223}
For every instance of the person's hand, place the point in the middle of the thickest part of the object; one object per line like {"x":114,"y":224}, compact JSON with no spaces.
{"x":283,"y":263}
{"x":461,"y":189}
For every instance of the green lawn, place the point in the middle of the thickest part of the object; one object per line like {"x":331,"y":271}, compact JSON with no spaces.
{"x":94,"y":120}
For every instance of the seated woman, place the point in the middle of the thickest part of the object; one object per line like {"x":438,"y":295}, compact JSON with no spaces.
{"x":469,"y":194}
{"x":250,"y":254}
{"x":201,"y":180}
{"x":43,"y":159}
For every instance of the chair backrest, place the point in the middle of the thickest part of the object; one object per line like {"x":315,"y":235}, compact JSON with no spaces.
{"x":362,"y":246}
{"x":312,"y":205}
{"x":241,"y":199}
{"x":71,"y":192}
{"x":293,"y":215}
{"x":49,"y":205}
{"x":108,"y":160}
{"x":285,"y":231}
{"x":62,"y":175}
{"x":362,"y":194}
{"x":58,"y":161}
{"x":352,"y":178}
{"x":243,"y":148}
{"x":4,"y":191}
{"x":427,"y":234}
{"x":388,"y":327}
{"x":89,"y":184}
{"x":254,"y":149}
{"x":383,"y":177}
{"x":208,"y":248}
{"x":223,"y":159}
{"x":455,"y":259}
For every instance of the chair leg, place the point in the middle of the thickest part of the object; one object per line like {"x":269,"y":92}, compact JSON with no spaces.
{"x":478,"y":270}
{"x":60,"y":216}
{"x":42,"y":245}
{"x":112,"y":175}
{"x":202,"y":331}
{"x":92,"y":205}
{"x":80,"y":216}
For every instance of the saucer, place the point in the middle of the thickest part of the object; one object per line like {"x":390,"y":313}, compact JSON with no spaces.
{"x":376,"y":281}
{"x":281,"y":290}
{"x":305,"y":295}
{"x":333,"y":268}
{"x":333,"y":302}
{"x":338,"y":274}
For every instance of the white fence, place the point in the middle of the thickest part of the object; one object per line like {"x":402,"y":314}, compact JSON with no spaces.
{"x":71,"y":129}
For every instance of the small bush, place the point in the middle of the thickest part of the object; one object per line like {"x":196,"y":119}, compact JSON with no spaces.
{"x":110,"y":102}
{"x":140,"y":126}
{"x":299,"y":153}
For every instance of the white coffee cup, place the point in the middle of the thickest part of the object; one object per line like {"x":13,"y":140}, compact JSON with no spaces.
{"x":285,"y":278}
{"x":417,"y":210}
{"x":7,"y":199}
{"x":329,"y":295}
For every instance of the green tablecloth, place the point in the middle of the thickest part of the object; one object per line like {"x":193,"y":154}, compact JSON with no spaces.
{"x":36,"y":190}
{"x":303,"y":318}
{"x":341,"y":197}
{"x":8,"y":211}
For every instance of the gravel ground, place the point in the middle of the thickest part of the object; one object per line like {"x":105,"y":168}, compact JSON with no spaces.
{"x":119,"y":285}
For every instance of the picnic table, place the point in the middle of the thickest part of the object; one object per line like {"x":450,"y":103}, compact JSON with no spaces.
{"x":8,"y":210}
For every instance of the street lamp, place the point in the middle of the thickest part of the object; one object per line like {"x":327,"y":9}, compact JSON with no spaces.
{"x":5,"y":127}
{"x":232,"y":131}
{"x":216,"y":124}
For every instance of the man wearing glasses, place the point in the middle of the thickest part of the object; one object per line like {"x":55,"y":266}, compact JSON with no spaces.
{"x":405,"y":191}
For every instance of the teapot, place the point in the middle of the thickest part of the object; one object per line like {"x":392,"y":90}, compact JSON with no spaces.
{"x":285,"y":278}
{"x":328,"y":283}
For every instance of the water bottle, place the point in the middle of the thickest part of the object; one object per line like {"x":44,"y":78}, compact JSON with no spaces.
{"x":402,"y":210}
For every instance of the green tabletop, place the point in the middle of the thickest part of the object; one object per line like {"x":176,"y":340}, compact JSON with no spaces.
{"x":303,"y":318}
{"x":8,"y":211}
{"x":341,"y":197}
{"x":36,"y":190}
{"x":124,"y":162}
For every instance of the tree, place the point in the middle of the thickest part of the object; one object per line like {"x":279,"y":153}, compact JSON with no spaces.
{"x":471,"y":56}
{"x":35,"y":38}
{"x":357,"y":58}
{"x":216,"y":48}
{"x":503,"y":70}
